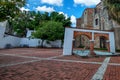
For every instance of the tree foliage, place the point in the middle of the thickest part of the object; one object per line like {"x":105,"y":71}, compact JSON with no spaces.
{"x":52,"y":26}
{"x":55,"y":16}
{"x":33,"y":20}
{"x":20,"y":23}
{"x":113,"y":7}
{"x":49,"y":26}
{"x":50,"y":30}
{"x":10,"y":8}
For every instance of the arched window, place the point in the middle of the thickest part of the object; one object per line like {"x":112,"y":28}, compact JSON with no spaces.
{"x":96,"y":21}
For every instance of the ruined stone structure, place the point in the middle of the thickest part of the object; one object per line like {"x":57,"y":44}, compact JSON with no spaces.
{"x":97,"y":18}
{"x":86,"y":21}
{"x":72,"y":33}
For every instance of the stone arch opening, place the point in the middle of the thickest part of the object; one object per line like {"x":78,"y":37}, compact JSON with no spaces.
{"x":88,"y":34}
{"x":106,"y":36}
{"x":84,"y":39}
{"x":102,"y":41}
{"x":81,"y":41}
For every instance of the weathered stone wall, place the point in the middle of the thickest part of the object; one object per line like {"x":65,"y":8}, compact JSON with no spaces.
{"x":98,"y":18}
{"x":97,"y":42}
{"x":90,"y":17}
{"x":117,"y":37}
{"x":77,"y":41}
{"x":78,"y":23}
{"x":86,"y":20}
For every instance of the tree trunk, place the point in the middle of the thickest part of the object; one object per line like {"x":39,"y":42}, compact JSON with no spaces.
{"x":42,"y":43}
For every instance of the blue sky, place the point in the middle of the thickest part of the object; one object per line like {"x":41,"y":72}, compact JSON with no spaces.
{"x":70,"y":8}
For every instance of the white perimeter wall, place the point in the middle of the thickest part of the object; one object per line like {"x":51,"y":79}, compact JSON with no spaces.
{"x":20,"y":42}
{"x":30,"y":42}
{"x":13,"y":41}
{"x":7,"y":39}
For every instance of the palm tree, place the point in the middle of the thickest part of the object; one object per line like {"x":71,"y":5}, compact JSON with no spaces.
{"x":113,"y":7}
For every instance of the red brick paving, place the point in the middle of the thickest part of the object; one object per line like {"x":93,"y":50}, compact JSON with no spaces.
{"x":49,"y":70}
{"x":17,"y":51}
{"x":112,"y":73}
{"x":27,"y":50}
{"x":34,"y":52}
{"x":115,"y":59}
{"x":89,"y":59}
{"x":44,"y":54}
{"x":11,"y":59}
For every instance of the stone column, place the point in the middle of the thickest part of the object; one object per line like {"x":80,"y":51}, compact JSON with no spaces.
{"x":108,"y":45}
{"x":92,"y":47}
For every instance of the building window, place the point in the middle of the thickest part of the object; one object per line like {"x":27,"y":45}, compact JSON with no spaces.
{"x":96,"y":21}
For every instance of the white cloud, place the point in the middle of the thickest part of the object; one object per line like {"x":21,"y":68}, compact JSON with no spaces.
{"x":87,"y":2}
{"x":24,"y":9}
{"x":73,"y":20}
{"x":45,"y":9}
{"x":53,"y":2}
{"x":28,"y":5}
{"x":66,"y":16}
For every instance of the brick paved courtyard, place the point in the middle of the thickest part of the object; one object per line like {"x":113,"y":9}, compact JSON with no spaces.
{"x":50,"y":64}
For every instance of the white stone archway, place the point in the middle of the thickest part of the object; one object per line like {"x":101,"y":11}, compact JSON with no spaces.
{"x":69,"y":37}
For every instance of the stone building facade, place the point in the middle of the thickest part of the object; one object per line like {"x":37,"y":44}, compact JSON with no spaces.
{"x":86,"y":21}
{"x":97,"y":18}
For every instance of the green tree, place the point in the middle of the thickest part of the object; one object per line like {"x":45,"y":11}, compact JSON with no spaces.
{"x":55,"y":16}
{"x":45,"y":16}
{"x":113,"y":7}
{"x":26,"y":20}
{"x":10,"y":8}
{"x":51,"y":31}
{"x":19,"y":26}
{"x":23,"y":21}
{"x":34,"y":20}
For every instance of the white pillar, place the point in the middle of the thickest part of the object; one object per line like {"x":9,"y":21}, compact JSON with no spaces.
{"x":68,"y":38}
{"x":93,"y":36}
{"x":112,"y":42}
